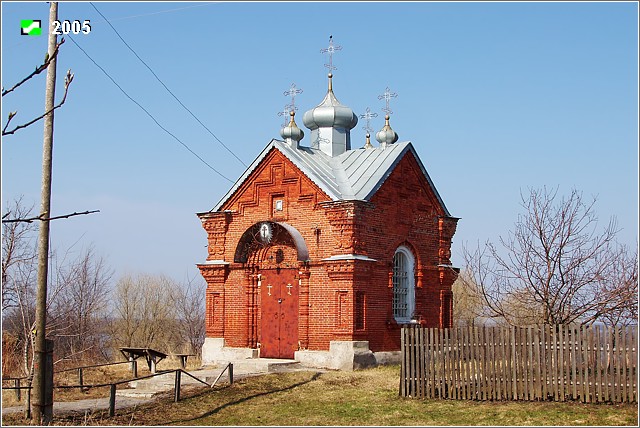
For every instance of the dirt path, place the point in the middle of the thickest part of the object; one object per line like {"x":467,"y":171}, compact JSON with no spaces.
{"x":89,"y":404}
{"x":122,"y":401}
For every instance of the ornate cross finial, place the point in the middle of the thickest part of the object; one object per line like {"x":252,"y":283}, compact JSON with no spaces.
{"x":331,"y":49}
{"x":368,"y":116}
{"x":292,"y":92}
{"x":287,"y":109}
{"x":387,"y":97}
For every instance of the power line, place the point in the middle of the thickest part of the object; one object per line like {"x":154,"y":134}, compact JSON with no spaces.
{"x":165,"y":86}
{"x":162,"y":11}
{"x":147,"y":112}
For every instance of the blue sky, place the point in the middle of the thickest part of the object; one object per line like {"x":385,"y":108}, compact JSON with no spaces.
{"x":496,"y":98}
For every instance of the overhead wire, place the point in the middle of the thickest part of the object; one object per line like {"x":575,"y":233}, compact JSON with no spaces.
{"x":165,"y":86}
{"x":162,"y":11}
{"x":147,"y":112}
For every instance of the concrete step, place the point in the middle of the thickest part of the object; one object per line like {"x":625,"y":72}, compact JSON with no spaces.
{"x":138,"y":393}
{"x":241,"y":368}
{"x":262,"y":365}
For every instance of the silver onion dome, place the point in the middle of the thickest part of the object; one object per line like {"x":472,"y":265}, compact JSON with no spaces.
{"x":291,"y":133}
{"x":386,"y":135}
{"x":330,"y":123}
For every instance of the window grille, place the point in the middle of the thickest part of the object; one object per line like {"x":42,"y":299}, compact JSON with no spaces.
{"x":400,"y":286}
{"x":403,"y":302}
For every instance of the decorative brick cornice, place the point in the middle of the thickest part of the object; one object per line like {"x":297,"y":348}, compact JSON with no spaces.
{"x":216,"y":224}
{"x":214,"y":274}
{"x":345,"y":219}
{"x":446,"y":228}
{"x":340,"y":269}
{"x":346,"y":268}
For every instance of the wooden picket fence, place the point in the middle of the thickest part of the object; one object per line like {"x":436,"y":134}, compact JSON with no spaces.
{"x":555,"y":362}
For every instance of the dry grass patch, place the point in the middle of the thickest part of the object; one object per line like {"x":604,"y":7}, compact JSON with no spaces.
{"x":367,"y":397}
{"x":93,"y":376}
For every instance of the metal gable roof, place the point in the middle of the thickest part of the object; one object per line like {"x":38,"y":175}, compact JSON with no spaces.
{"x":354,"y":175}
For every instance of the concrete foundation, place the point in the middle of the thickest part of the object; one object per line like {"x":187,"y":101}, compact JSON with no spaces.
{"x":389,"y":357}
{"x":214,"y":352}
{"x":342,"y":355}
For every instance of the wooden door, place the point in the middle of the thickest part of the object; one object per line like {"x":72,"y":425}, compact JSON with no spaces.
{"x":279,"y":313}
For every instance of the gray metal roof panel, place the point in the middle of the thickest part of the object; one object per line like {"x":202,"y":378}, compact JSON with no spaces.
{"x":354,"y":175}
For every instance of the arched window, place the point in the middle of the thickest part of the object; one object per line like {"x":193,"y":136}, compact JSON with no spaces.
{"x":403,"y":285}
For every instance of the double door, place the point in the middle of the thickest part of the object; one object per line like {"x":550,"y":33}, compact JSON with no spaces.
{"x":279,"y":313}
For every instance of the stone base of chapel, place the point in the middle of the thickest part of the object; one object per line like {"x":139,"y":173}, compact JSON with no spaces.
{"x":214,"y":352}
{"x":342,"y":355}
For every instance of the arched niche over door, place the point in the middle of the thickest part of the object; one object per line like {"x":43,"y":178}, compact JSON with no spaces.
{"x":266,"y":233}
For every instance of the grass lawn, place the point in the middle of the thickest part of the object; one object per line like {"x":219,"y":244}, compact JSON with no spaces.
{"x":366,"y":397}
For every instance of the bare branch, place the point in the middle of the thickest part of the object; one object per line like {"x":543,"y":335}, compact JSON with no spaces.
{"x":67,"y":82}
{"x":557,"y":266}
{"x":12,"y":114}
{"x":47,"y":60}
{"x":40,"y":218}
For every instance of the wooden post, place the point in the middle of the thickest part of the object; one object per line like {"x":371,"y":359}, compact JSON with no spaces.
{"x":176,"y":388}
{"x":403,"y":365}
{"x":17,"y":385}
{"x":80,"y":379}
{"x":230,"y":373}
{"x":134,"y":367}
{"x":112,"y":400}
{"x":43,"y":395}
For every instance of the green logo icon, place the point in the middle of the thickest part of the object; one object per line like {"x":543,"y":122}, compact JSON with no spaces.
{"x":30,"y":27}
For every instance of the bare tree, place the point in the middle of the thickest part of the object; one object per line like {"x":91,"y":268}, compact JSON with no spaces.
{"x":190,"y":312}
{"x":144,"y":313}
{"x":78,"y":292}
{"x":18,"y":280}
{"x":619,"y":295}
{"x":556,"y":267}
{"x":468,"y":304}
{"x":78,"y":309}
{"x":18,"y":252}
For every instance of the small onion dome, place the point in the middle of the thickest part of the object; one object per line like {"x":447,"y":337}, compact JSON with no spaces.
{"x":386,"y":135}
{"x":291,"y":133}
{"x":330,"y":113}
{"x":368,"y":144}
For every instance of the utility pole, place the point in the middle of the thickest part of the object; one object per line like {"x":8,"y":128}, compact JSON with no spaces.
{"x":43,"y":372}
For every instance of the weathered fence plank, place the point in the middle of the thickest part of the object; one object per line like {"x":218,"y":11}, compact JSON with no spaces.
{"x":592,"y":365}
{"x":623,"y":367}
{"x":466,"y":357}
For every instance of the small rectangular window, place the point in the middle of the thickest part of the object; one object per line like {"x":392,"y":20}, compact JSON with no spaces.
{"x":277,"y":204}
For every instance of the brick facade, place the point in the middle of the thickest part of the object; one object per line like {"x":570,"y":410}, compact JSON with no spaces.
{"x":343,"y":298}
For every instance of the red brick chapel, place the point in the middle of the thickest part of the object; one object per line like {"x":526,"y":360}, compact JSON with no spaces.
{"x":322,"y":252}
